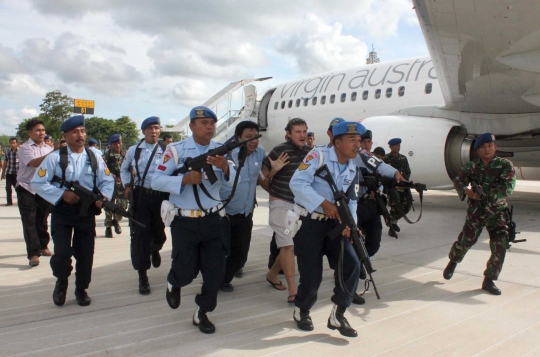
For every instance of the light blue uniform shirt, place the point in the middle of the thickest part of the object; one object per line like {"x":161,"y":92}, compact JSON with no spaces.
{"x":78,"y":169}
{"x":311,"y":191}
{"x":244,"y":197}
{"x":182,"y":196}
{"x":129,"y":162}
{"x":383,"y":169}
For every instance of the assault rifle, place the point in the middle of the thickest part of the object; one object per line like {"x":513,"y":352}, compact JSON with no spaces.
{"x":512,"y":227}
{"x":199,"y":163}
{"x":476,"y":189}
{"x":373,"y":182}
{"x":391,"y":184}
{"x":90,"y":197}
{"x":341,"y":202}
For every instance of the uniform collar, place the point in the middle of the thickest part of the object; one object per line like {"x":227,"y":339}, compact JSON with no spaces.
{"x":332,"y":156}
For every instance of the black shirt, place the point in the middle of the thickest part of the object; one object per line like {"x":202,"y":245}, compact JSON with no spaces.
{"x":279,"y":187}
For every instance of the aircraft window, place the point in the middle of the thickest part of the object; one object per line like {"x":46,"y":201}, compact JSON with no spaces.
{"x":429,"y":88}
{"x":388,"y":92}
{"x":332,"y":98}
{"x":401,"y":91}
{"x":276,"y":105}
{"x":377,"y":94}
{"x":306,"y":102}
{"x":365,"y":95}
{"x":314,"y":101}
{"x":353,"y":96}
{"x":343,"y":97}
{"x":298,"y":102}
{"x":290,"y":103}
{"x":323,"y":99}
{"x":283,"y":105}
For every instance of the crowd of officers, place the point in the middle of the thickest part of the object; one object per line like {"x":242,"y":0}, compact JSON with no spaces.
{"x":211,"y":223}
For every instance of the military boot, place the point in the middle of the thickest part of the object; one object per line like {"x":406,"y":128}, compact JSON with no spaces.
{"x":156,"y":258}
{"x":337,"y":321}
{"x":108,"y":232}
{"x":449,"y":270}
{"x":358,"y":300}
{"x":363,"y":274}
{"x":392,"y":233}
{"x":82,"y":297}
{"x":302,"y":319}
{"x":173,"y":296}
{"x":117,"y":227}
{"x":489,"y":286}
{"x":395,"y":227}
{"x":201,"y":320}
{"x":60,"y":290}
{"x":144,"y":285}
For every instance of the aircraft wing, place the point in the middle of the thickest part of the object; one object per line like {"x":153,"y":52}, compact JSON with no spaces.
{"x":486,"y":53}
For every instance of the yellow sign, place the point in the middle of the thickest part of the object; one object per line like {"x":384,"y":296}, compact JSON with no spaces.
{"x":83,"y":106}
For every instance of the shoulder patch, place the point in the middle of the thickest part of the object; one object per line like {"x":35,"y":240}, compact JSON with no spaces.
{"x":42,"y":172}
{"x":311,"y":156}
{"x":303,"y":166}
{"x":106,"y":169}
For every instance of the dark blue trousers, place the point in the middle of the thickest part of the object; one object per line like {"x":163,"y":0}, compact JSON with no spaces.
{"x":311,"y":243}
{"x":198,"y":245}
{"x":369,"y":222}
{"x":73,"y":235}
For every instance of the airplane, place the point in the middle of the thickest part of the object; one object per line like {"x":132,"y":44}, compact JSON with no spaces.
{"x":483,"y":75}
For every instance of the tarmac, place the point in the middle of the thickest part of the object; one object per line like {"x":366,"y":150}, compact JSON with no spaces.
{"x":419,"y":314}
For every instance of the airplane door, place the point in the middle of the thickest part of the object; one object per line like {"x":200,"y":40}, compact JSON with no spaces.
{"x":250,"y":94}
{"x":263,"y":110}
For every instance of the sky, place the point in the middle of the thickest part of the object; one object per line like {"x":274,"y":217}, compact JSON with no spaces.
{"x":162,"y":57}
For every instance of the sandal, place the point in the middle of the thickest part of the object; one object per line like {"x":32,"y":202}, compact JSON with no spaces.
{"x":289,"y":298}
{"x":275,"y":285}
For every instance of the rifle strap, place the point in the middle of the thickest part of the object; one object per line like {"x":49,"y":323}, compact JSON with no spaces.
{"x":136,"y":158}
{"x":64,"y":161}
{"x":141,"y":182}
{"x":400,"y":208}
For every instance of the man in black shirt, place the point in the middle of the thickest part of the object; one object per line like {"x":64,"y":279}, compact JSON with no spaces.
{"x":278,"y":169}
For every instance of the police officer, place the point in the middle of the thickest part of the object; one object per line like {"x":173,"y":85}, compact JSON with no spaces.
{"x":239,"y":221}
{"x":496,"y":177}
{"x":114,"y":158}
{"x":314,"y":203}
{"x":143,"y":159}
{"x":72,"y":233}
{"x":369,"y":219}
{"x":400,"y":163}
{"x":197,"y":238}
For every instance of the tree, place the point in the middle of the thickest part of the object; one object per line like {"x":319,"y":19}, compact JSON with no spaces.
{"x":101,"y":129}
{"x":52,"y":127}
{"x":56,"y":106}
{"x":176,"y":136}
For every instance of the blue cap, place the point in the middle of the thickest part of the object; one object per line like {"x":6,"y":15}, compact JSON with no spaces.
{"x":334,"y":122}
{"x":202,"y":112}
{"x":150,"y":121}
{"x":92,"y":141}
{"x":72,"y":123}
{"x":310,"y":133}
{"x":394,"y":141}
{"x":114,"y":138}
{"x":348,"y":127}
{"x":48,"y":137}
{"x":367,"y":135}
{"x":484,"y":138}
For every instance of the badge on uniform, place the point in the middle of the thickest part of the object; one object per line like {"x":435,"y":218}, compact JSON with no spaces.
{"x":42,"y":172}
{"x":303,"y":166}
{"x":107,"y":171}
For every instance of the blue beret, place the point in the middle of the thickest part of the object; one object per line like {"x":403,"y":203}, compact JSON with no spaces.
{"x":92,"y":141}
{"x":367,"y":135}
{"x":484,"y":138}
{"x":72,"y":123}
{"x":310,"y":133}
{"x":150,"y":121}
{"x":114,"y":138}
{"x":202,"y":112}
{"x":394,"y":141}
{"x":47,"y":137}
{"x":348,"y":127}
{"x":334,"y":122}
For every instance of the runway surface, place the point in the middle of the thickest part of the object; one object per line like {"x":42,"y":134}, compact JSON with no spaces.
{"x":419,"y":314}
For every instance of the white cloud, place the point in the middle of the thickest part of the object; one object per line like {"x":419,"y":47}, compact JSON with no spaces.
{"x":190,"y":92}
{"x":10,"y":118}
{"x":14,"y":85}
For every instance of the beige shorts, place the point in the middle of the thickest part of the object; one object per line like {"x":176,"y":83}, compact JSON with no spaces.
{"x":276,"y":220}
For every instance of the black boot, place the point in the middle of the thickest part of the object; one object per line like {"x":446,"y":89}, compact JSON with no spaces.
{"x":173,"y":296}
{"x":337,"y":321}
{"x":302,"y":319}
{"x":201,"y":320}
{"x":363,"y":274}
{"x":395,"y":227}
{"x":449,"y":270}
{"x":358,"y":300}
{"x":108,"y":232}
{"x":156,"y":259}
{"x":144,"y":285}
{"x":392,"y":233}
{"x":60,"y":290}
{"x":117,"y":227}
{"x":82,"y":297}
{"x":489,"y":286}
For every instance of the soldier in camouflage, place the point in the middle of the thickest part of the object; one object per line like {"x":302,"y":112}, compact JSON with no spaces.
{"x":496,"y":178}
{"x":400,"y":163}
{"x":114,"y":158}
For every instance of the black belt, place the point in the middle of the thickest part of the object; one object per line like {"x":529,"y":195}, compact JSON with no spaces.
{"x":149,"y":191}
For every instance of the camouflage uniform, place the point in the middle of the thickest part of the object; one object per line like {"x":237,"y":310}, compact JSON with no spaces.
{"x":498,"y":181}
{"x":114,"y":162}
{"x":401,"y":164}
